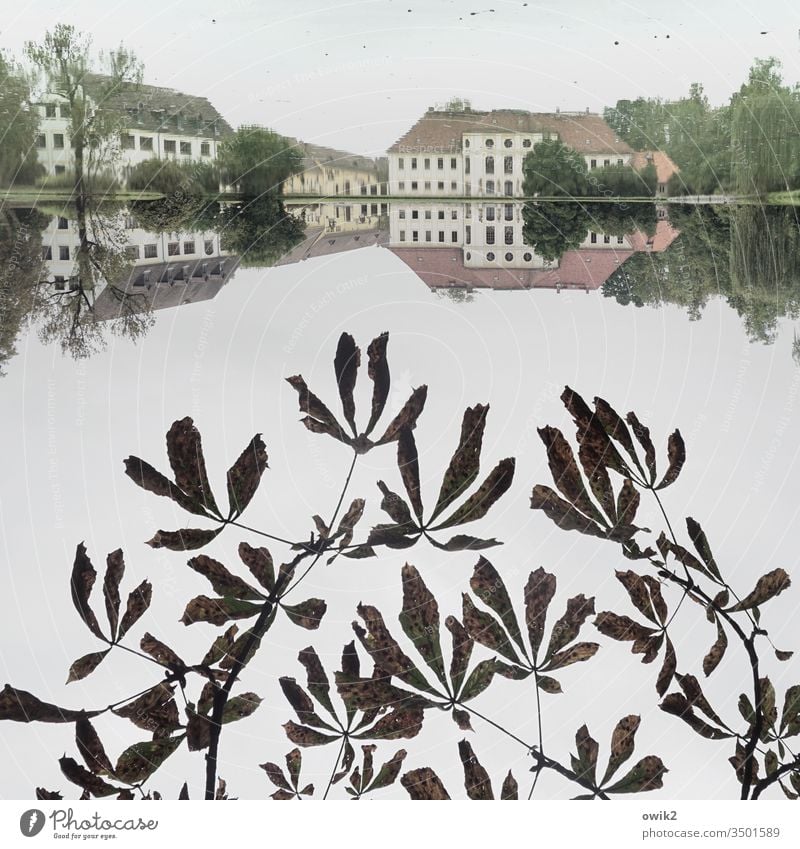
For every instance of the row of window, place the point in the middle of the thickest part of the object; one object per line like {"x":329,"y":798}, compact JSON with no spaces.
{"x":606,"y":163}
{"x":429,"y":214}
{"x":426,"y":163}
{"x":133,"y":252}
{"x":509,"y":257}
{"x":506,"y":142}
{"x":401,"y":186}
{"x":170,"y":145}
{"x":58,"y":141}
{"x":606,"y":239}
{"x":50,"y":110}
{"x":429,"y":236}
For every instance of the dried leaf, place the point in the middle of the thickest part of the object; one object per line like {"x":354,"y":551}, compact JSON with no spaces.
{"x":45,"y":795}
{"x":668,"y":668}
{"x":485,"y":629}
{"x":138,"y":602}
{"x":700,"y":543}
{"x":476,"y":779}
{"x":465,"y":462}
{"x":186,"y":539}
{"x":790,"y":716}
{"x":408,"y":463}
{"x":478,"y":680}
{"x":85,"y":665}
{"x":424,"y":784}
{"x":154,"y":711}
{"x":276,"y":776}
{"x":138,"y":762}
{"x":148,"y":478}
{"x":462,"y":719}
{"x":768,"y":586}
{"x":562,"y":512}
{"x":240,"y":706}
{"x":259,"y":562}
{"x":567,"y":628}
{"x":642,"y":435}
{"x":161,"y":652}
{"x":407,"y":417}
{"x":222,"y":581}
{"x":308,"y":614}
{"x":510,"y":789}
{"x":622,"y":744}
{"x":395,"y":506}
{"x":621,"y":627}
{"x":538,"y":593}
{"x":495,"y":485}
{"x":244,"y":475}
{"x":320,"y":419}
{"x":548,"y":684}
{"x":647,"y":774}
{"x":115,"y":568}
{"x":378,"y":371}
{"x":185,"y":452}
{"x":302,"y":704}
{"x":218,"y":611}
{"x":574,"y":654}
{"x":387,"y":775}
{"x":678,"y":705}
{"x":717,"y":651}
{"x":627,"y":502}
{"x":588,"y":750}
{"x":638,"y":591}
{"x":91,"y":748}
{"x":91,"y":783}
{"x":221,"y":647}
{"x":676,"y":455}
{"x":402,"y":722}
{"x":81,"y":583}
{"x":21,"y":706}
{"x":419,"y":619}
{"x":345,"y":366}
{"x":615,"y":427}
{"x":461,"y":651}
{"x":300,"y":735}
{"x":184,"y":794}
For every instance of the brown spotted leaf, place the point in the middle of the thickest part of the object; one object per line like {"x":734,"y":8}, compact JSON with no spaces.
{"x":408,"y":463}
{"x":402,"y":722}
{"x":465,"y":462}
{"x":218,"y":611}
{"x":562,"y":513}
{"x":300,"y":735}
{"x":222,"y":581}
{"x":150,"y":479}
{"x":615,"y":427}
{"x":548,"y":684}
{"x":186,"y":539}
{"x":387,"y":774}
{"x":539,"y":592}
{"x":627,"y":503}
{"x":647,"y":774}
{"x":478,"y":680}
{"x":44,"y":795}
{"x":494,"y":486}
{"x":678,"y":705}
{"x":244,"y":475}
{"x":238,"y":707}
{"x":276,"y":776}
{"x":185,"y":452}
{"x":221,"y":647}
{"x":21,"y":706}
{"x":115,"y":568}
{"x":395,"y":505}
{"x":642,"y":435}
{"x":576,"y":653}
{"x":676,"y":455}
{"x":138,"y":762}
{"x":567,"y":628}
{"x":700,"y":543}
{"x":318,"y":683}
{"x":154,"y":711}
{"x":487,"y":584}
{"x":639,"y":593}
{"x":419,"y":619}
{"x":407,"y":417}
{"x":622,"y":744}
{"x":161,"y":652}
{"x":319,"y":419}
{"x":424,"y":784}
{"x":85,"y":665}
{"x":587,"y":749}
{"x":621,"y":627}
{"x":510,"y":789}
{"x":462,"y":645}
{"x":138,"y":602}
{"x":717,"y":651}
{"x":90,"y":747}
{"x":345,"y":366}
{"x":768,"y":586}
{"x":378,"y":371}
{"x":485,"y":629}
{"x":302,"y":704}
{"x":476,"y":779}
{"x":259,"y":562}
{"x":668,"y":668}
{"x":308,"y":614}
{"x":81,"y":583}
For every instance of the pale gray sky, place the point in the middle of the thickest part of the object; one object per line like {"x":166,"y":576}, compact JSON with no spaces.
{"x":356,"y":74}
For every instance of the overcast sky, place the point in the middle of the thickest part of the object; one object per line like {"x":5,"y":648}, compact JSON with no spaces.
{"x":356,"y":74}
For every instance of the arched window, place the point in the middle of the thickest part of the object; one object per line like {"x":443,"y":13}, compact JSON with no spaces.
{"x":490,"y":187}
{"x":490,"y":165}
{"x":509,"y":188}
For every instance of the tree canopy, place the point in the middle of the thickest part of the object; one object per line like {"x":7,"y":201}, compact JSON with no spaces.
{"x":257,"y":160}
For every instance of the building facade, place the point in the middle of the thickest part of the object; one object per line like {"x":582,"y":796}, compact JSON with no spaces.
{"x":469,"y":153}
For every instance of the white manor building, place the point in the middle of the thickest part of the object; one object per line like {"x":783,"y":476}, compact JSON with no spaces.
{"x":468,"y":153}
{"x":157,"y":123}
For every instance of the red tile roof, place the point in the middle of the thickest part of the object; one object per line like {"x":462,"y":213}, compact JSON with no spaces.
{"x":665,"y":167}
{"x":441,"y":131}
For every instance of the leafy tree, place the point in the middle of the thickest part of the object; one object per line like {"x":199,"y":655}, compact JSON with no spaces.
{"x":169,"y":176}
{"x":260,"y":230}
{"x":552,"y":228}
{"x":19,"y":125}
{"x":257,"y":160}
{"x":552,"y":168}
{"x":63,"y":57}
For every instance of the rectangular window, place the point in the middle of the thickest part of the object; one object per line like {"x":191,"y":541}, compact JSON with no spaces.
{"x":453,"y":186}
{"x":373,"y":190}
{"x":169,"y":146}
{"x":490,"y":187}
{"x":490,"y":165}
{"x":441,"y":235}
{"x":593,"y":238}
{"x":427,"y":235}
{"x":205,"y":148}
{"x":427,"y":164}
{"x":63,"y":224}
{"x":402,"y":235}
{"x":440,"y":185}
{"x":606,"y":163}
{"x":150,"y":251}
{"x":440,"y":163}
{"x":384,"y":209}
{"x":41,"y":141}
{"x":63,"y":110}
{"x":490,"y":213}
{"x":509,"y":235}
{"x":127,"y":141}
{"x":415,"y":235}
{"x":490,"y":235}
{"x":415,"y":213}
{"x":373,"y":209}
{"x":454,"y":214}
{"x":60,"y":283}
{"x":186,"y":148}
{"x":593,"y":163}
{"x":454,"y":235}
{"x":188,"y":247}
{"x":468,"y":234}
{"x":208,"y":247}
{"x":401,"y":186}
{"x":413,"y":185}
{"x":173,"y":249}
{"x":427,"y":215}
{"x":620,"y":162}
{"x":132,"y":251}
{"x":413,"y":163}
{"x":441,"y":215}
{"x":402,"y":213}
{"x":63,"y":252}
{"x":50,"y":110}
{"x":453,"y":163}
{"x":47,"y":253}
{"x":58,"y":141}
{"x":606,"y":240}
{"x":508,"y":212}
{"x":466,"y":165}
{"x":427,"y":185}
{"x":620,"y":240}
{"x":61,"y":169}
{"x":145,"y":142}
{"x":364,"y":209}
{"x":508,"y":164}
{"x":401,"y":163}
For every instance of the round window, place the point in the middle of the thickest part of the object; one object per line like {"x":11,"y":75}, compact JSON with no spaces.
{"x":509,"y":256}
{"x":489,"y":143}
{"x":490,"y":256}
{"x":526,"y":143}
{"x":508,"y":142}
{"x":527,"y":257}
{"x":469,"y":255}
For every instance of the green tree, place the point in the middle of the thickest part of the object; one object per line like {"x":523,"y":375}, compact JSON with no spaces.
{"x":63,"y":57}
{"x":19,"y":125}
{"x":260,"y":230}
{"x":552,"y":229}
{"x":552,"y":168}
{"x":257,"y":160}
